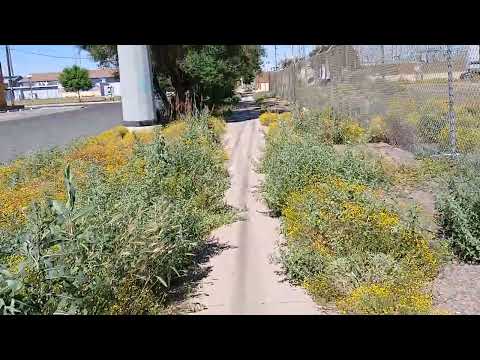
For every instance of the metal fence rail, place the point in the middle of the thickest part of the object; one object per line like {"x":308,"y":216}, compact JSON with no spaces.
{"x":427,"y":97}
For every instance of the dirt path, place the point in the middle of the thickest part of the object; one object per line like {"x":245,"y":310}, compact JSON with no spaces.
{"x":242,"y":279}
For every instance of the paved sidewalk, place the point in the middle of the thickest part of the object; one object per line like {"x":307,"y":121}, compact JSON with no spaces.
{"x":242,"y":279}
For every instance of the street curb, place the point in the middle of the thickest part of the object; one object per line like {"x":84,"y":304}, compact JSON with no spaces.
{"x":70,"y":104}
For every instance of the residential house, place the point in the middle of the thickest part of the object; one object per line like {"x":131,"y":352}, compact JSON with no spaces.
{"x":46,"y":85}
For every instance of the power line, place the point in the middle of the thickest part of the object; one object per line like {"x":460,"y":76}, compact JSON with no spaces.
{"x":51,"y":56}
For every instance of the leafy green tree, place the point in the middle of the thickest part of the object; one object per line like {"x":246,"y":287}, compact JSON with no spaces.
{"x":105,"y":55}
{"x":213,"y":70}
{"x":207,"y":72}
{"x":75,"y":79}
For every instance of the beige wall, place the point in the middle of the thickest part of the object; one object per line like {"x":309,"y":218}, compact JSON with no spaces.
{"x":82,"y":94}
{"x":263,"y":87}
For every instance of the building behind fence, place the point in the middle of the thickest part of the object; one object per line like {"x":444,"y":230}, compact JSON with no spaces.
{"x":427,"y":97}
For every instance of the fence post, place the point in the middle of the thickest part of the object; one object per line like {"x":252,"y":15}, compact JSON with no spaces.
{"x":294,"y":82}
{"x":451,"y":111}
{"x":382,"y":60}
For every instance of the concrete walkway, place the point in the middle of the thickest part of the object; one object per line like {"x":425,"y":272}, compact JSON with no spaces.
{"x":242,"y":279}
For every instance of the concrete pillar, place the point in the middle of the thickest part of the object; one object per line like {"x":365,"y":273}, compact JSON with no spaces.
{"x":136,"y":85}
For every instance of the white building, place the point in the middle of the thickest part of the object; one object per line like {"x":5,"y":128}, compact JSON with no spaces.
{"x":46,"y":85}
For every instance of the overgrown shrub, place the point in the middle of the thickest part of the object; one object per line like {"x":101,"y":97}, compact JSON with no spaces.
{"x":355,"y":240}
{"x":377,"y":130}
{"x":291,"y":162}
{"x":351,"y":133}
{"x":345,"y":243}
{"x":386,"y":299}
{"x":232,"y":100}
{"x":329,"y":127}
{"x":459,"y":214}
{"x":413,"y":124}
{"x":261,"y":97}
{"x":269,"y":118}
{"x":119,"y":242}
{"x":467,"y":122}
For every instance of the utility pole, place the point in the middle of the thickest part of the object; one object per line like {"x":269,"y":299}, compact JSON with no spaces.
{"x":137,"y":86}
{"x":3,"y":102}
{"x":29,"y":76}
{"x":382,"y":54}
{"x":294,"y":76}
{"x":276,"y":64}
{"x":10,"y":73}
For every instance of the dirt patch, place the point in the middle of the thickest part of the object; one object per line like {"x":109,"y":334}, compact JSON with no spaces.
{"x":394,"y":155}
{"x":420,"y":194}
{"x":457,"y":289}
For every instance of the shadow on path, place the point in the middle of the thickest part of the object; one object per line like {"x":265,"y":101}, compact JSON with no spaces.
{"x":185,"y":288}
{"x":246,"y":110}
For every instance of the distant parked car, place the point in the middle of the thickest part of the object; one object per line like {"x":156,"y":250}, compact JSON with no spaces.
{"x":473,"y":71}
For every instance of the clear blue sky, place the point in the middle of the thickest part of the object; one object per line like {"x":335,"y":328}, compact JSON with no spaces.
{"x":283,"y":51}
{"x":54,"y":58}
{"x":29,"y":59}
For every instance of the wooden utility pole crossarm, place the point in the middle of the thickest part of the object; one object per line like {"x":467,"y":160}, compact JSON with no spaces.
{"x":3,"y":101}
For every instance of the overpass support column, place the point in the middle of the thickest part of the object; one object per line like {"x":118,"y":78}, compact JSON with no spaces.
{"x":136,"y":86}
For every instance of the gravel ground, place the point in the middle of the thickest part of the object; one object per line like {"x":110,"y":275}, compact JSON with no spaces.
{"x":457,"y":289}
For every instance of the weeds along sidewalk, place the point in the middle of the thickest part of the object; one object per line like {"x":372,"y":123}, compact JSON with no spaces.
{"x":348,"y":243}
{"x":111,"y":224}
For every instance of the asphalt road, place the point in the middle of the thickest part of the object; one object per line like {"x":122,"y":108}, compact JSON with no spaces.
{"x":41,"y":129}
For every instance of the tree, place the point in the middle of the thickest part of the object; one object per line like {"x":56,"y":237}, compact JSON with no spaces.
{"x":285,"y":63}
{"x":208,"y":73}
{"x":75,"y":79}
{"x":213,"y":70}
{"x":105,"y":55}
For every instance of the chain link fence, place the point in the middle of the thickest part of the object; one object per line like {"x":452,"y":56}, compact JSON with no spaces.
{"x":424,"y":98}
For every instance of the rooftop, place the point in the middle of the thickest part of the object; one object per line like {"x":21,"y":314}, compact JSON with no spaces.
{"x":52,"y":76}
